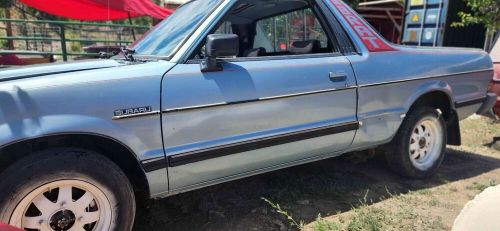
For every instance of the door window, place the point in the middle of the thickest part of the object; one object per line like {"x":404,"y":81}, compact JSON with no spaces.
{"x":280,"y":28}
{"x":279,"y":33}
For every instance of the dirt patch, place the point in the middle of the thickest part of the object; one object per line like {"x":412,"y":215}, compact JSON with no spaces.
{"x":339,"y":194}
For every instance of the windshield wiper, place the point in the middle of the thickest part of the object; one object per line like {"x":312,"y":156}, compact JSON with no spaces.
{"x":128,"y":54}
{"x":107,"y":55}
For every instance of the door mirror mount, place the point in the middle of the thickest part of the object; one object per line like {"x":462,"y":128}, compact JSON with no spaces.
{"x":217,"y":46}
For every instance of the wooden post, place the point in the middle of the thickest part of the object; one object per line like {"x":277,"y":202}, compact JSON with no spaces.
{"x":63,"y":44}
{"x":8,"y":29}
{"x":130,"y":21}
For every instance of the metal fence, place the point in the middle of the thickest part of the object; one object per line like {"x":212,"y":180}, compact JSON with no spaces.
{"x":40,"y":37}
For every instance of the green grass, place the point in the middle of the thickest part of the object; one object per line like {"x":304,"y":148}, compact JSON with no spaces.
{"x":367,"y":218}
{"x":285,"y":214}
{"x":480,"y":186}
{"x":423,"y":191}
{"x":403,"y":216}
{"x":324,"y":225}
{"x":364,"y":218}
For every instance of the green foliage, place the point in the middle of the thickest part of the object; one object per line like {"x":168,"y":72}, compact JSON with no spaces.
{"x":486,"y":12}
{"x":278,"y":209}
{"x":324,"y":225}
{"x":3,"y":44}
{"x":5,"y":3}
{"x":75,"y":47}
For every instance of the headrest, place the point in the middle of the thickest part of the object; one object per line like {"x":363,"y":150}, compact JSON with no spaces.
{"x":305,"y":47}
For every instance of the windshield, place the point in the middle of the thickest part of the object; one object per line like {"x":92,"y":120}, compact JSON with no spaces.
{"x":164,"y":38}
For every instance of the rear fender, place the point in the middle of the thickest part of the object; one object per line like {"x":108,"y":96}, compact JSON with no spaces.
{"x":428,"y":87}
{"x":451,"y":117}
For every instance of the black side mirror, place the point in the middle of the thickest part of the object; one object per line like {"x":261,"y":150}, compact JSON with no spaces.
{"x":217,"y":46}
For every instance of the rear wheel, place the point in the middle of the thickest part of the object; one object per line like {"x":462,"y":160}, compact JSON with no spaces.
{"x":419,"y":147}
{"x":66,"y":189}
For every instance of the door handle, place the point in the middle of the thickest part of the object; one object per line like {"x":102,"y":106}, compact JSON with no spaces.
{"x":338,"y":77}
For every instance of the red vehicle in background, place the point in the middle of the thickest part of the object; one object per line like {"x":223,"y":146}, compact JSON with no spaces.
{"x":495,"y":84}
{"x":4,"y":227}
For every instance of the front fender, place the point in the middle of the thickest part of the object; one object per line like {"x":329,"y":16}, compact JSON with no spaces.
{"x":85,"y":102}
{"x":34,"y":127}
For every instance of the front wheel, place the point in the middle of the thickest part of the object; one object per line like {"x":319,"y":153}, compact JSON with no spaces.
{"x":66,"y":189}
{"x":419,"y":146}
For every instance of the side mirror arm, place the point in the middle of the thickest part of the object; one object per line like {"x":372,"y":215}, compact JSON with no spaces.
{"x":219,"y":45}
{"x":210,"y":64}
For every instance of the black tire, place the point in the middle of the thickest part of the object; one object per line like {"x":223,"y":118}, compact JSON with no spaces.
{"x":398,"y":151}
{"x":42,"y":168}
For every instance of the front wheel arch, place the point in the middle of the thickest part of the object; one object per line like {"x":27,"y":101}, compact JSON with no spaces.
{"x":103,"y":192}
{"x":117,"y":152}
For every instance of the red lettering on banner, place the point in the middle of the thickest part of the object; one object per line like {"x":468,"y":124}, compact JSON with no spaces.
{"x":343,"y":9}
{"x":369,"y":37}
{"x":363,"y":31}
{"x":353,"y":21}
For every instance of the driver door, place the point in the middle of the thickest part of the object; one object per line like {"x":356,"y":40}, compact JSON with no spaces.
{"x":256,"y":114}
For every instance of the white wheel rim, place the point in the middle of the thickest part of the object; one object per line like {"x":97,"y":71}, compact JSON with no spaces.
{"x":72,"y":205}
{"x":426,"y":142}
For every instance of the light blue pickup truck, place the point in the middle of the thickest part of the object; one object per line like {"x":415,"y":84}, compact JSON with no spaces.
{"x":220,"y":90}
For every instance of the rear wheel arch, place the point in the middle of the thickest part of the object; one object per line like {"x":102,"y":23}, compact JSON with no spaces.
{"x":437,"y":99}
{"x":114,"y":150}
{"x":441,"y":100}
{"x":419,"y":146}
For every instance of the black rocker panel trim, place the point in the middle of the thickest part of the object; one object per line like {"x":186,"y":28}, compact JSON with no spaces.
{"x":249,"y":145}
{"x":469,"y":102}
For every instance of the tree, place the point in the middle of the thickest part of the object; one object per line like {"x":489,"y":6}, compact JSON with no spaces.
{"x":486,"y":12}
{"x":5,"y":3}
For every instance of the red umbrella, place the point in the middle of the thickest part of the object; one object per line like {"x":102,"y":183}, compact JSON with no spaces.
{"x":94,"y":10}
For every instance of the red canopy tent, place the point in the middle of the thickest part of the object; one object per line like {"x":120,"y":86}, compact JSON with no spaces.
{"x":95,"y":10}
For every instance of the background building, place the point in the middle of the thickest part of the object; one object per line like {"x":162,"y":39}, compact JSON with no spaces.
{"x":172,"y":4}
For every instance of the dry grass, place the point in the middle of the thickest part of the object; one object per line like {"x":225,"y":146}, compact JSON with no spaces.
{"x":422,"y":209}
